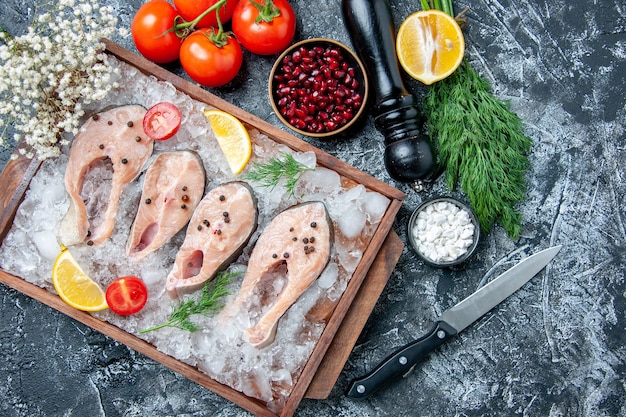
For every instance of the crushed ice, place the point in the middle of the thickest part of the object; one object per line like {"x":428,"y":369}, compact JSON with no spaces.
{"x":269,"y":374}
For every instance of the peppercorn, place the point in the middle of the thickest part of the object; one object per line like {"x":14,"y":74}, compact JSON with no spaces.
{"x":101,"y":146}
{"x":274,"y":256}
{"x":130,"y":124}
{"x":109,"y":123}
{"x":138,"y":139}
{"x":124,"y":161}
{"x":185,"y":197}
{"x":206,"y":223}
{"x":184,"y":188}
{"x":286,"y":255}
{"x":95,"y":117}
{"x":148,"y":200}
{"x":313,"y":225}
{"x":305,"y":240}
{"x":222,"y":198}
{"x":183,"y":206}
{"x":199,"y":227}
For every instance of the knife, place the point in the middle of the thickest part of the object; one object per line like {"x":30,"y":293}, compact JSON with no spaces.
{"x":451,"y":322}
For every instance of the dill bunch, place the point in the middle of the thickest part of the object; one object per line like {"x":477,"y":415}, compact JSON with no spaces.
{"x":285,"y":168}
{"x":209,"y":303}
{"x":481,"y":146}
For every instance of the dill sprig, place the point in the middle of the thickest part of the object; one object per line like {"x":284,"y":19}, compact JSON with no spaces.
{"x":481,"y":146}
{"x":210,"y":302}
{"x":270,"y":174}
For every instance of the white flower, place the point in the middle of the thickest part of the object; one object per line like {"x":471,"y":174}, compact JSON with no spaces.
{"x":47,"y":73}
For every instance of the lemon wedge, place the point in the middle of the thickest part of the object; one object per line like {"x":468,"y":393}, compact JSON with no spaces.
{"x":232,"y":137}
{"x":74,"y":286}
{"x":430,"y":45}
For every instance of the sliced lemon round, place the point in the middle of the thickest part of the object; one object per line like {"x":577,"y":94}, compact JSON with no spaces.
{"x":74,"y":286}
{"x":232,"y":137}
{"x":430,"y":45}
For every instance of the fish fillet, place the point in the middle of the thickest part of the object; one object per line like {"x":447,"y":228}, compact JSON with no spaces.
{"x":218,"y":231}
{"x":288,"y":257}
{"x":113,"y":145}
{"x":172,"y":189}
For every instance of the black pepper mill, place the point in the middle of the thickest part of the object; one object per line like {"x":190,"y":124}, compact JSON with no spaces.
{"x":409,"y":155}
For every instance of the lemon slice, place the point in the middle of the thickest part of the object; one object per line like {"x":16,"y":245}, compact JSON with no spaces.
{"x":430,"y":45}
{"x":232,"y":137}
{"x":74,"y":286}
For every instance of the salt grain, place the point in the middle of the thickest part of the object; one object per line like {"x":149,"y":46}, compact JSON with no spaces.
{"x":443,"y":232}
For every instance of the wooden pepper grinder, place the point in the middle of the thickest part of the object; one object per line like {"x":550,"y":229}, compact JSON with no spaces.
{"x":409,"y":155}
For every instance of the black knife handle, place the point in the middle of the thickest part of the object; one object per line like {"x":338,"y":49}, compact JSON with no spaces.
{"x":400,"y":363}
{"x":409,"y":155}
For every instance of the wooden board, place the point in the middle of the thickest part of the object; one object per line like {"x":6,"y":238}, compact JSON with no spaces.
{"x":354,"y":307}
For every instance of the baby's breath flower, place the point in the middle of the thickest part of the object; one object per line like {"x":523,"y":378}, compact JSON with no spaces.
{"x":47,"y":74}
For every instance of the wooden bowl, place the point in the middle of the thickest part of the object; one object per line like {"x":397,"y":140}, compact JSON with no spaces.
{"x":308,"y":101}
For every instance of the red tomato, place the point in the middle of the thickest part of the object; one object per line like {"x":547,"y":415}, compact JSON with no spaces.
{"x":190,"y":9}
{"x":151,"y":32}
{"x":162,"y":121}
{"x":266,"y":28}
{"x":208,"y":64}
{"x":126,"y":295}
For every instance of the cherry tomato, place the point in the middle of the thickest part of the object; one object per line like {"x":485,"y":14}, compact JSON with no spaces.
{"x":264,"y":28}
{"x":151,"y":32}
{"x":126,"y":295}
{"x":190,"y":9}
{"x":208,"y":64}
{"x":162,"y":121}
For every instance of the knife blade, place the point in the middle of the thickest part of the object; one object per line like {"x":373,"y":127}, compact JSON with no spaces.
{"x":451,"y":322}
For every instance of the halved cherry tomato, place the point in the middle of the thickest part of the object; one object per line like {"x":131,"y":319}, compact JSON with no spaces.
{"x":162,"y":121}
{"x":190,"y":9}
{"x":207,"y":63}
{"x":264,"y":27}
{"x":152,"y":34}
{"x":126,"y":295}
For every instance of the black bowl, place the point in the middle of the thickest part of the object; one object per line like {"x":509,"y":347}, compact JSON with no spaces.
{"x":417,"y":235}
{"x":311,"y":113}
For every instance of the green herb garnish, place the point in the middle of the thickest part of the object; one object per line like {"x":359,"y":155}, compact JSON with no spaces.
{"x":269,"y":174}
{"x":481,"y":145}
{"x":210,"y":302}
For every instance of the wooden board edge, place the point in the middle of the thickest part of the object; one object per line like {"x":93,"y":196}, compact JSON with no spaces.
{"x":359,"y":312}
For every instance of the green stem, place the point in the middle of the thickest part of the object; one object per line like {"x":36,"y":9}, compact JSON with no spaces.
{"x":267,"y":11}
{"x":183,"y":29}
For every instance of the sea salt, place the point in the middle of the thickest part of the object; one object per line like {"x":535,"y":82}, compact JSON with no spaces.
{"x":219,"y":349}
{"x":443,"y":231}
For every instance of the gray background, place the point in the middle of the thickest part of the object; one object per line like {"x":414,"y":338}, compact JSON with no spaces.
{"x":555,"y":348}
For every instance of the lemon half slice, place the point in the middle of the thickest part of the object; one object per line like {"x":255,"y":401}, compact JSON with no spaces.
{"x":232,"y":137}
{"x":430,"y":45}
{"x":74,"y":286}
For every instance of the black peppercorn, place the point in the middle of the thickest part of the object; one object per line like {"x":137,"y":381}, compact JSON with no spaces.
{"x":124,"y":161}
{"x":222,"y":198}
{"x":109,"y":123}
{"x":95,"y":117}
{"x":199,"y":227}
{"x":274,"y":256}
{"x":130,"y":124}
{"x":148,"y":200}
{"x":313,"y":224}
{"x":285,"y":255}
{"x":183,"y":206}
{"x":138,"y":139}
{"x":101,"y":146}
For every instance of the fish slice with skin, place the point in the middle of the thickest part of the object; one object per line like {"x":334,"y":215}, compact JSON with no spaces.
{"x":218,"y":231}
{"x":172,"y":189}
{"x":294,"y":248}
{"x":111,"y":140}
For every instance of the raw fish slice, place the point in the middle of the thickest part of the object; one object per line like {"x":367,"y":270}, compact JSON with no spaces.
{"x":288,"y":257}
{"x":111,"y":140}
{"x":172,"y":189}
{"x":218,"y":231}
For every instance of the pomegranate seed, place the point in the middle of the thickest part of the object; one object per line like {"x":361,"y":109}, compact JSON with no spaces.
{"x":317,"y":89}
